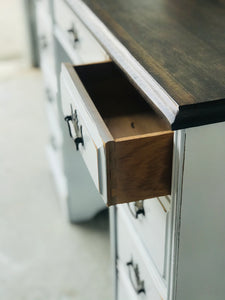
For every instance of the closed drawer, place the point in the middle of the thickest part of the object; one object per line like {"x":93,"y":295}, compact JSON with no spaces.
{"x":132,"y":288}
{"x":82,"y":46}
{"x":46,"y":44}
{"x":149,"y":219}
{"x":54,"y":125}
{"x":125,"y":288}
{"x":51,"y":98}
{"x":135,"y":266}
{"x":131,"y":145}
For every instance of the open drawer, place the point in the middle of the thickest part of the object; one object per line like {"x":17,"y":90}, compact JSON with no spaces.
{"x":125,"y":144}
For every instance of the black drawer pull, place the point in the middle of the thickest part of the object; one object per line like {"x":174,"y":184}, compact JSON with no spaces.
{"x":138,"y":285}
{"x":67,"y":119}
{"x":74,"y":34}
{"x":43,"y":42}
{"x":78,"y":138}
{"x":138,"y":209}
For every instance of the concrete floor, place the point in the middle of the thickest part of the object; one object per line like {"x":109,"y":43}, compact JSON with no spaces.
{"x":12,"y":30}
{"x":42,"y":257}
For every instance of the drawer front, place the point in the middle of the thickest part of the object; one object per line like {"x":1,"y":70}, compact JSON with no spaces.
{"x":149,"y":219}
{"x":81,"y":139}
{"x":54,"y":126}
{"x":131,"y":288}
{"x":46,"y":45}
{"x":44,"y":28}
{"x":51,"y":98}
{"x":125,"y":288}
{"x":133,"y":261}
{"x":89,"y":151}
{"x":79,"y":39}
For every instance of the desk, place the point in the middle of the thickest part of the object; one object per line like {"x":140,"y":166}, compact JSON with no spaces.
{"x":171,"y":246}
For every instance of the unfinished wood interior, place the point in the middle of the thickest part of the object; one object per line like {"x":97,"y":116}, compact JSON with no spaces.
{"x":122,"y":108}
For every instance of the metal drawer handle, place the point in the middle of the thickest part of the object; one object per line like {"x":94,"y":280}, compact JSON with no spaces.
{"x":138,"y":209}
{"x":67,"y":119}
{"x":138,"y":285}
{"x":78,"y":139}
{"x":74,"y":34}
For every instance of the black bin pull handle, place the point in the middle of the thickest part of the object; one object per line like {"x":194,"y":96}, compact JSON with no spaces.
{"x":67,"y":119}
{"x":78,"y":139}
{"x":138,"y":285}
{"x":72,"y":30}
{"x":138,"y":209}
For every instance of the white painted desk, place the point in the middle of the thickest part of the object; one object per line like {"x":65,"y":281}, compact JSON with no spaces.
{"x":169,"y":247}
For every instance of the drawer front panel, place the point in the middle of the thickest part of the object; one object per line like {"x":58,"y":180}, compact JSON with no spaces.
{"x":150,"y":218}
{"x":46,"y":45}
{"x":51,"y":98}
{"x":128,"y":285}
{"x":132,"y":261}
{"x":54,"y":126}
{"x":81,"y":41}
{"x":125,"y":288}
{"x":89,"y":151}
{"x":86,"y":146}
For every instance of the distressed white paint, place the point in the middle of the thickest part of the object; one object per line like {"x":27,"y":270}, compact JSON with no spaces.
{"x":174,"y":216}
{"x":201,"y":260}
{"x":130,"y":246}
{"x":95,"y":132}
{"x":53,"y":122}
{"x":196,"y":249}
{"x":86,"y":48}
{"x":45,"y":34}
{"x":152,"y":229}
{"x":125,"y":289}
{"x":79,"y":199}
{"x":89,"y":150}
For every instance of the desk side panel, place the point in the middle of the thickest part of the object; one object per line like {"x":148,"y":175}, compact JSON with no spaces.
{"x":201,"y":264}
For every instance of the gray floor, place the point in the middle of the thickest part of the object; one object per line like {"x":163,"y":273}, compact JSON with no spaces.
{"x":41,"y":256}
{"x":12,"y":29}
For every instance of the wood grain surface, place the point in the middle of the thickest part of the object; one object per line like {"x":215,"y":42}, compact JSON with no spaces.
{"x":139,"y":168}
{"x":181,"y":44}
{"x":120,"y":105}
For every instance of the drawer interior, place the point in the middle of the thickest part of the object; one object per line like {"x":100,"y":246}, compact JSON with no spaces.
{"x":123,"y":109}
